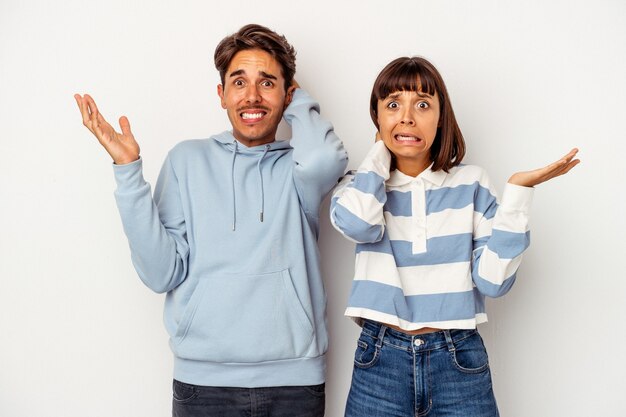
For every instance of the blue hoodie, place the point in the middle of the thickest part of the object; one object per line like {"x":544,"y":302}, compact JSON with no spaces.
{"x":231,"y":236}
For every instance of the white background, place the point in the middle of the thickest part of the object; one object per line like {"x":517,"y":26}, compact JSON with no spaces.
{"x":81,"y":336}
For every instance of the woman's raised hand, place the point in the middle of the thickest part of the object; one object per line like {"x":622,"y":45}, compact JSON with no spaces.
{"x":121,"y":146}
{"x":555,"y":169}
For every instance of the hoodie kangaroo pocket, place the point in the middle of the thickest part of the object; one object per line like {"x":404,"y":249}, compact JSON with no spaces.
{"x":244,"y":318}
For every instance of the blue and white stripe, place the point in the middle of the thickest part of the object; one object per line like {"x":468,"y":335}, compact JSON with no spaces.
{"x":429,"y":248}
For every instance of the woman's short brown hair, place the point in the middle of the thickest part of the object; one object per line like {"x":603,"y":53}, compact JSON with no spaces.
{"x":257,"y":37}
{"x":419,"y":75}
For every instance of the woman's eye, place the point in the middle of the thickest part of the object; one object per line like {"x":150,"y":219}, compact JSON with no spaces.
{"x":423,"y":105}
{"x":392,"y":105}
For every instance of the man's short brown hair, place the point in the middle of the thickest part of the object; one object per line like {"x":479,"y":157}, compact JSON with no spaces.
{"x":257,"y":37}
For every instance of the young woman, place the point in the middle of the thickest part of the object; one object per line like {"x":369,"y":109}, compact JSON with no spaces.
{"x":432,"y":242}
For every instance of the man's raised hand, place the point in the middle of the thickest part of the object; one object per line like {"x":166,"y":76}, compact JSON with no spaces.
{"x":121,"y":146}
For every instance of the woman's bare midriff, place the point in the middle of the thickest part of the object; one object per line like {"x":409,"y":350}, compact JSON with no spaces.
{"x":423,"y":330}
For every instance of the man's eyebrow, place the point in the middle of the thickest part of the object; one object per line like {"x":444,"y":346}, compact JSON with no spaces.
{"x":267,"y":75}
{"x":236,"y":72}
{"x":262,"y":73}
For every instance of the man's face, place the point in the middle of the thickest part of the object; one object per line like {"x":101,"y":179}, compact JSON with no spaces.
{"x":254,"y":96}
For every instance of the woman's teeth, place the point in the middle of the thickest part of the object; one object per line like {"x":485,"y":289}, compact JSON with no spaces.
{"x":407,"y":138}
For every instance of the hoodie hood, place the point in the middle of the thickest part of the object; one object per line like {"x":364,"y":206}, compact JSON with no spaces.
{"x":229,"y":142}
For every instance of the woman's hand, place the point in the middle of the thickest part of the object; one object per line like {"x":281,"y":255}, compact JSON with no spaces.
{"x":555,"y":169}
{"x":121,"y":146}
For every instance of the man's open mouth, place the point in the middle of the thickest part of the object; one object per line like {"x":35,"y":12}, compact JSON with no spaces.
{"x":252,"y":116}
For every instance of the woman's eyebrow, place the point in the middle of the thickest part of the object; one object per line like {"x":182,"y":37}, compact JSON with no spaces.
{"x":399,"y":93}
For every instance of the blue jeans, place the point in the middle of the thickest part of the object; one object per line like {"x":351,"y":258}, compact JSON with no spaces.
{"x":445,"y":373}
{"x":199,"y":401}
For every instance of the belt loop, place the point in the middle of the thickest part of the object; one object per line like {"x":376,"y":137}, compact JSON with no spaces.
{"x":381,"y":334}
{"x":451,"y":347}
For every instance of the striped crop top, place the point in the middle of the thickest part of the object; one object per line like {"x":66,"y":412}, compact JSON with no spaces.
{"x":429,"y":248}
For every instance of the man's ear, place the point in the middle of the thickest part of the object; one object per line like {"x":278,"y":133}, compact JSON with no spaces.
{"x":289,"y":95}
{"x":220,"y":92}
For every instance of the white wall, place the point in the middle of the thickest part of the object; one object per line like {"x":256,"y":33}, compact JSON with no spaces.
{"x":80,"y":335}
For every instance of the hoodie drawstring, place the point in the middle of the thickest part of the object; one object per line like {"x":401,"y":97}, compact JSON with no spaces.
{"x":258,"y":166}
{"x":232,"y":180}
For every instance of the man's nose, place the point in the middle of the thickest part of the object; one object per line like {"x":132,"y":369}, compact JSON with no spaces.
{"x":252,"y":94}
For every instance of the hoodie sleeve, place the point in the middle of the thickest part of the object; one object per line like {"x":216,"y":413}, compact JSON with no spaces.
{"x":155,"y":228}
{"x":319,"y":156}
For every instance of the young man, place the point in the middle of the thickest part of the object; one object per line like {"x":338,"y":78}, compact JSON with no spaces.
{"x":230,"y":236}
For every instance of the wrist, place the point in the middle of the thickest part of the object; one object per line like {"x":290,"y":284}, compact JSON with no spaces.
{"x":125,"y":160}
{"x":517,"y":179}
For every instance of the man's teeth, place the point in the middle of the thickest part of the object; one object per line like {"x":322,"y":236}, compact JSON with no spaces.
{"x":252,"y":115}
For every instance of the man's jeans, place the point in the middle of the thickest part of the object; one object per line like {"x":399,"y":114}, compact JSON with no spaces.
{"x":445,"y":373}
{"x":199,"y":401}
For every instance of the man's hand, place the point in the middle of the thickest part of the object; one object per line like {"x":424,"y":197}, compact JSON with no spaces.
{"x":555,"y":169}
{"x":121,"y":146}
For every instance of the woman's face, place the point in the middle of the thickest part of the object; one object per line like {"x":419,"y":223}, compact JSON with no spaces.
{"x":408,"y":122}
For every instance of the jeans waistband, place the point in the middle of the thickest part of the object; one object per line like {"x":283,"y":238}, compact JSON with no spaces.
{"x":421,"y":342}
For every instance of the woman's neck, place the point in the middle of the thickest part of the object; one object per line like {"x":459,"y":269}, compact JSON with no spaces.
{"x":411,"y":167}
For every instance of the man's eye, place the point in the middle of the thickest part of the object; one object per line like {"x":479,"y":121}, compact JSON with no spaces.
{"x":238,"y":83}
{"x":267,"y":83}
